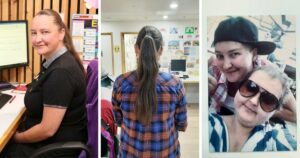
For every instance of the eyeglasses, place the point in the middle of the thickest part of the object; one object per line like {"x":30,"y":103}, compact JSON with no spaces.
{"x":267,"y":100}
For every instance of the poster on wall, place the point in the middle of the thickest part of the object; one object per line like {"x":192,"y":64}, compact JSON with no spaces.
{"x":189,"y":30}
{"x":181,"y":43}
{"x":85,"y":35}
{"x":130,"y":55}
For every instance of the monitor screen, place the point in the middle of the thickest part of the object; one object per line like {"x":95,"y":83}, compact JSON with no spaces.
{"x":13,"y":44}
{"x":178,"y":65}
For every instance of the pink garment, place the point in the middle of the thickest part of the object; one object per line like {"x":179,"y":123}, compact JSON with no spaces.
{"x":107,"y":115}
{"x":110,"y":143}
{"x":93,"y":3}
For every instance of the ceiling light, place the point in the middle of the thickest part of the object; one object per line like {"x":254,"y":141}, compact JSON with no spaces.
{"x":173,"y":5}
{"x":165,"y":17}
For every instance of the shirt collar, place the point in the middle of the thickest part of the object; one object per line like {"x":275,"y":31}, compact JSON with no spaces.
{"x":60,"y":52}
{"x":222,"y":79}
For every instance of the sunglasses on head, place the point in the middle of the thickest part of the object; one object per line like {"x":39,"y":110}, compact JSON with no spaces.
{"x":267,"y":100}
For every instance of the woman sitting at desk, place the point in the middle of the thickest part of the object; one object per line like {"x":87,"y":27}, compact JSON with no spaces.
{"x":55,"y":100}
{"x":259,"y":96}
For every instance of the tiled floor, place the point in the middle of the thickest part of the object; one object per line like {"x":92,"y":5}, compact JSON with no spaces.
{"x":189,"y":140}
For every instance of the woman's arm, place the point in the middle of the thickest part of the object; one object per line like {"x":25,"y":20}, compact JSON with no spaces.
{"x":181,"y":110}
{"x":288,"y":112}
{"x":212,"y":81}
{"x":52,"y":118}
{"x":116,"y":101}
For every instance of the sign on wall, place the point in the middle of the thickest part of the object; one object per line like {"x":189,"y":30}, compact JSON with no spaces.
{"x":181,"y":43}
{"x":85,"y":35}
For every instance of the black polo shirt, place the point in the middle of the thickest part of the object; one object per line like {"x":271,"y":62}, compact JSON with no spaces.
{"x":61,"y":85}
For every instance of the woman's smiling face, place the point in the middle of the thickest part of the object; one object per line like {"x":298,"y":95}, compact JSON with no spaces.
{"x":234,"y":59}
{"x":46,"y":36}
{"x":248,"y":109}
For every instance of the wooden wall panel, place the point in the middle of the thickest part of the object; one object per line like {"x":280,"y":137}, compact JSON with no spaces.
{"x":82,"y":7}
{"x":13,"y":10}
{"x":92,"y":11}
{"x":21,"y":16}
{"x":36,"y":57}
{"x":22,"y":9}
{"x":25,"y":10}
{"x":47,"y":4}
{"x":5,"y":17}
{"x":13,"y":16}
{"x":0,"y":9}
{"x":55,"y":5}
{"x":73,"y":10}
{"x":29,"y":73}
{"x":4,"y":10}
{"x":65,"y":10}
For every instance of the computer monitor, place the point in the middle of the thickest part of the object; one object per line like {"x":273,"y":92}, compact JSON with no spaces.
{"x":178,"y":65}
{"x":13,"y":44}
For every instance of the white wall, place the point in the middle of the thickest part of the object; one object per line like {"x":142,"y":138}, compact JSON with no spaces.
{"x":117,"y":27}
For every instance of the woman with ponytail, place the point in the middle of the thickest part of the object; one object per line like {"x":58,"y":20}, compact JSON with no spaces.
{"x":55,"y":99}
{"x":150,"y":106}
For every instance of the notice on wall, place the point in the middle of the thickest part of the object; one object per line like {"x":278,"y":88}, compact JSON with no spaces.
{"x":181,"y":43}
{"x":85,"y":35}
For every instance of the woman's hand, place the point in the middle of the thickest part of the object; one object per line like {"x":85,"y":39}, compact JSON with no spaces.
{"x":212,"y":84}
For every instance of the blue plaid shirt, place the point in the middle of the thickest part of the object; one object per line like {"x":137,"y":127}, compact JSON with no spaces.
{"x":160,"y":138}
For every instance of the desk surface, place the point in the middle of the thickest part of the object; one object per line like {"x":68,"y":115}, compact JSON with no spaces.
{"x":10,"y":116}
{"x":191,"y":79}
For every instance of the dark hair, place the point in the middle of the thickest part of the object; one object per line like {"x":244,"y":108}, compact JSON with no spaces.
{"x":242,"y":30}
{"x":67,"y":39}
{"x":149,"y":41}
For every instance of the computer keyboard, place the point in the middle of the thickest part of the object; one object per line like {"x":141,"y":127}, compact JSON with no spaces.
{"x":4,"y":98}
{"x":6,"y":86}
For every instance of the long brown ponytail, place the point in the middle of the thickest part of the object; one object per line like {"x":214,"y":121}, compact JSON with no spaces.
{"x":149,"y":41}
{"x":67,"y":39}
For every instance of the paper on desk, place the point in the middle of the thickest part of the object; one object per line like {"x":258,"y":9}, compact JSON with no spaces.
{"x":20,"y":89}
{"x":6,"y":121}
{"x":15,"y":106}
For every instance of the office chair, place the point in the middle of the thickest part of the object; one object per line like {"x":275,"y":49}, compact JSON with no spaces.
{"x":71,"y":145}
{"x":89,"y":150}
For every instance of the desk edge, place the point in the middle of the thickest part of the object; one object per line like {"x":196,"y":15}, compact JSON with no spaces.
{"x":11,"y":130}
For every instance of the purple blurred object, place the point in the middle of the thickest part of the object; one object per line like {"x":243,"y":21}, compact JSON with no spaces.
{"x":92,"y":108}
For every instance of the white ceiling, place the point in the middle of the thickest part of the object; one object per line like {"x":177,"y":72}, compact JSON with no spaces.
{"x":140,"y":10}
